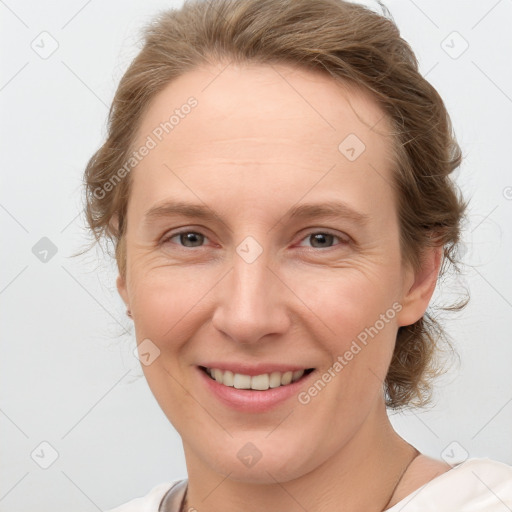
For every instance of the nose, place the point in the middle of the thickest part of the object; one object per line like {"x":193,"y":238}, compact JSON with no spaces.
{"x":251,"y":302}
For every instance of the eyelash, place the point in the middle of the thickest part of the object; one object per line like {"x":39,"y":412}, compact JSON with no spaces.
{"x":167,"y":239}
{"x":341,"y":240}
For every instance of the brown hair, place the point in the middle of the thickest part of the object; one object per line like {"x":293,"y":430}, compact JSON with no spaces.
{"x":355,"y":45}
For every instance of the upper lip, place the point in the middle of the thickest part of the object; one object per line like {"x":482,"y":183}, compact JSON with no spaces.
{"x":255,"y":369}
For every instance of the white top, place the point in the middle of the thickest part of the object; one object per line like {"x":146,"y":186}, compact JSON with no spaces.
{"x":476,"y":485}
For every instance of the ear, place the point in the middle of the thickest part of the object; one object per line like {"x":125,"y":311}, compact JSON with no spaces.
{"x":121,"y":288}
{"x":113,"y":223}
{"x":419,"y":287}
{"x":120,"y":281}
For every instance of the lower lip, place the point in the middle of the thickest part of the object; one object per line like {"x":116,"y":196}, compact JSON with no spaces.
{"x":248,"y":400}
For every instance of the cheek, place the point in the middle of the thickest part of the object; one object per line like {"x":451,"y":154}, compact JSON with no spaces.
{"x":346,"y":300}
{"x":167,"y":303}
{"x":165,"y":298}
{"x":355,"y":312}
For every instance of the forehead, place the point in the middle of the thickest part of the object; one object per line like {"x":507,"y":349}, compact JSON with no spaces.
{"x":247,"y":99}
{"x":251,"y":122}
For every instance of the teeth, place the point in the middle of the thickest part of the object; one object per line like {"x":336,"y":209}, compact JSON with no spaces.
{"x":258,"y":382}
{"x":286,"y":378}
{"x":297,"y":374}
{"x":240,"y":381}
{"x":275,"y":379}
{"x":228,"y":378}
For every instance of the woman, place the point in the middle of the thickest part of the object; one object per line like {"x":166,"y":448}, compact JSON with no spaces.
{"x":276,"y":181}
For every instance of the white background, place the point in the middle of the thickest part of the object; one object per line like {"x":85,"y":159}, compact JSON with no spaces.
{"x":68,"y":376}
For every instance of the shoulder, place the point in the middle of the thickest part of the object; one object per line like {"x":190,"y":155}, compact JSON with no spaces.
{"x":475,"y":485}
{"x":148,"y":503}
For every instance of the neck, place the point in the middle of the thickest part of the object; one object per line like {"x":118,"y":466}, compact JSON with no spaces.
{"x":361,"y":475}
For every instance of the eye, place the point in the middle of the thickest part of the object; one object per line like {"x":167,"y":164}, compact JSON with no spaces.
{"x":322,"y":239}
{"x":187,"y":239}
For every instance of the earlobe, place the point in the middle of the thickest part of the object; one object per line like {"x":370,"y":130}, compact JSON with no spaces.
{"x":121,"y":288}
{"x":113,"y":224}
{"x":416,"y":296}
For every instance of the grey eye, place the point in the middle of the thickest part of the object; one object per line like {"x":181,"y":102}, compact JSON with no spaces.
{"x":319,"y":240}
{"x":191,"y":239}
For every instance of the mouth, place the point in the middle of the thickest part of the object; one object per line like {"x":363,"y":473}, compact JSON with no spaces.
{"x":262,"y":382}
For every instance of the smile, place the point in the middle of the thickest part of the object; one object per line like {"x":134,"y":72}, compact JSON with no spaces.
{"x":260,"y":382}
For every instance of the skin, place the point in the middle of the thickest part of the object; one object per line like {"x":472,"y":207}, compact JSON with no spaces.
{"x":261,"y":140}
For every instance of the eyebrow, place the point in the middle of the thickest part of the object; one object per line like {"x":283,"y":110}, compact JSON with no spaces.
{"x":328,"y":209}
{"x":175,"y":208}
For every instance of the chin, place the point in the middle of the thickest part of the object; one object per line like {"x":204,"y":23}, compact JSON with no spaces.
{"x":261,"y":461}
{"x":261,"y":473}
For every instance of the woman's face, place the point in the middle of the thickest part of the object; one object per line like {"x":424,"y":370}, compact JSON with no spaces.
{"x":262,"y":237}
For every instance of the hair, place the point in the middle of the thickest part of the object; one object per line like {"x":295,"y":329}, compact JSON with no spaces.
{"x":355,"y":46}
